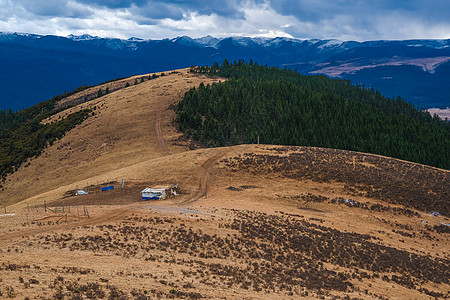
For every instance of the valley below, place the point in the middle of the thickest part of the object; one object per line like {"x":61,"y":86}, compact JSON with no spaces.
{"x":251,"y":222}
{"x":441,"y":112}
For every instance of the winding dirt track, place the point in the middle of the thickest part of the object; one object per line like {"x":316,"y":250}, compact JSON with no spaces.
{"x":203,"y":176}
{"x":159,"y":134}
{"x":202,"y":173}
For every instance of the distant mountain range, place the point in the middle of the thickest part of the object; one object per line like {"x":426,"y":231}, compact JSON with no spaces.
{"x":37,"y":67}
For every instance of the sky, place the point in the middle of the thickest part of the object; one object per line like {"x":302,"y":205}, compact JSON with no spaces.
{"x":359,"y":20}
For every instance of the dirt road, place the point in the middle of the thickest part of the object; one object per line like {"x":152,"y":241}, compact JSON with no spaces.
{"x":159,"y":135}
{"x":203,"y":174}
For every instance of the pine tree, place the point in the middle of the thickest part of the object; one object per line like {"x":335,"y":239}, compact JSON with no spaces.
{"x":285,"y":107}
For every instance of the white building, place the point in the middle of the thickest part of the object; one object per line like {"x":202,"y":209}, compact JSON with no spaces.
{"x":160,"y":192}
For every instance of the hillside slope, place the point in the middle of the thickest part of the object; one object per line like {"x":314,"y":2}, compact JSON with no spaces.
{"x":121,"y":133}
{"x":252,"y":221}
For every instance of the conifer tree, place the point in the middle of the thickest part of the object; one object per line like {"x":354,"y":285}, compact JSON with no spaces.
{"x":284,"y":107}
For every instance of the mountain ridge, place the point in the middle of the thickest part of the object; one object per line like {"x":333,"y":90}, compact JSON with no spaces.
{"x":90,"y":60}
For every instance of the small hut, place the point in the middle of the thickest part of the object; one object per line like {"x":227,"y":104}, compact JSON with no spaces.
{"x":160,"y":192}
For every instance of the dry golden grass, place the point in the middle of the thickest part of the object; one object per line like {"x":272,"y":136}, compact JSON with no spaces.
{"x":246,"y":226}
{"x":121,"y":134}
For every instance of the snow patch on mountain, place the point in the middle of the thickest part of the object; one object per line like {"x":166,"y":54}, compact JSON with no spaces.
{"x":208,"y":41}
{"x":83,"y":37}
{"x":331,"y":43}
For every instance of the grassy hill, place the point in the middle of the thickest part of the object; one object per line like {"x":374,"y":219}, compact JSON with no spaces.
{"x":120,"y":133}
{"x":25,"y":133}
{"x":252,"y":221}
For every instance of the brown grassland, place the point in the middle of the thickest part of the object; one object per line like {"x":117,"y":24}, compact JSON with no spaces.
{"x":252,"y":222}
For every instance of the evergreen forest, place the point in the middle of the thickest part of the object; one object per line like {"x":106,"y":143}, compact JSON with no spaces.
{"x":22,"y":135}
{"x":283,"y":107}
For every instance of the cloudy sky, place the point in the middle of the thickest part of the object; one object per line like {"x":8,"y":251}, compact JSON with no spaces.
{"x":339,"y":19}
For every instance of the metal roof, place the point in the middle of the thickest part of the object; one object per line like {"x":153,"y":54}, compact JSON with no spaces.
{"x":154,"y":190}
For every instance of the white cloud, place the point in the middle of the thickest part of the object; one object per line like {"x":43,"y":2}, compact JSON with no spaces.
{"x":397,"y":27}
{"x":194,"y":23}
{"x":258,"y":21}
{"x":255,"y":18}
{"x":265,"y":22}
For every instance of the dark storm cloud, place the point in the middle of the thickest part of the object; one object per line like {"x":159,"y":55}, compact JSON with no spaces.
{"x":46,"y":8}
{"x":229,"y":8}
{"x":314,"y":11}
{"x":159,"y":10}
{"x":173,"y":8}
{"x":114,"y":3}
{"x":176,"y":9}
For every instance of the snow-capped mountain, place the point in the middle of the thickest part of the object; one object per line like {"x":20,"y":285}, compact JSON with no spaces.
{"x":84,"y":37}
{"x":418,"y":70}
